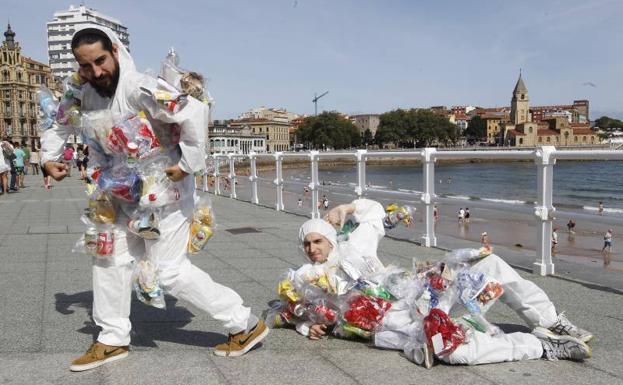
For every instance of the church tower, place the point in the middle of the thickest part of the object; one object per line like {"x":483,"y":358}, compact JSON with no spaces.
{"x":519,"y":103}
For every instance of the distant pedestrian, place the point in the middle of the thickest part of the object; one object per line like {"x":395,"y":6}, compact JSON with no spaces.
{"x":19,"y":164}
{"x":607,"y":241}
{"x":461,"y":215}
{"x":554,"y":240}
{"x":325,"y":202}
{"x":467,"y":214}
{"x":300,"y":202}
{"x":34,"y":161}
{"x":600,"y":208}
{"x":571,"y":227}
{"x":435,"y":213}
{"x":484,"y":240}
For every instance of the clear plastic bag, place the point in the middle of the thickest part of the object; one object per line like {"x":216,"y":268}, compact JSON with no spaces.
{"x":398,"y":214}
{"x":202,"y":225}
{"x":147,"y":284}
{"x":48,"y":108}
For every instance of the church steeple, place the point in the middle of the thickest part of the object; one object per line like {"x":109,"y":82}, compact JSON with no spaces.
{"x":519,"y":103}
{"x":9,"y":37}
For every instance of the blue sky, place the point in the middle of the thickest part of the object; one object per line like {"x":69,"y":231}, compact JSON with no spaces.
{"x":372,"y":56}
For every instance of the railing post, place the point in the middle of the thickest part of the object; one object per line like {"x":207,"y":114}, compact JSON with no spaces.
{"x":217,"y":176}
{"x":361,"y":173}
{"x":204,"y":178}
{"x":278,"y":181}
{"x":313,"y":185}
{"x":428,"y":195}
{"x":544,"y":210}
{"x":253,"y":178}
{"x":232,"y":176}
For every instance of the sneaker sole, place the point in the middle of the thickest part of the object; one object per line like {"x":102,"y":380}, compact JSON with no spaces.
{"x":238,"y":353}
{"x":546,"y":333}
{"x":93,"y":365}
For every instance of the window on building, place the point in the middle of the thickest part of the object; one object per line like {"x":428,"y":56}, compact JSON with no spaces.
{"x":530,"y":130}
{"x":520,"y":140}
{"x":540,"y":139}
{"x":549,"y":139}
{"x":584,"y":139}
{"x":575,"y":139}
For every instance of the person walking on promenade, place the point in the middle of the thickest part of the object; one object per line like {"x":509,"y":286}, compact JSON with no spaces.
{"x":68,"y":158}
{"x":435,"y":213}
{"x":19,"y":164}
{"x":34,"y":161}
{"x":26,"y":158}
{"x":600,"y":208}
{"x":111,"y":82}
{"x":5,"y":166}
{"x":554,"y":240}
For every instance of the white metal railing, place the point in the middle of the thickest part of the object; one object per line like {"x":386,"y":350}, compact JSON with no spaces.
{"x":544,"y":157}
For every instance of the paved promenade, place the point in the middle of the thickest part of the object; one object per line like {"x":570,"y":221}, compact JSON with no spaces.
{"x":46,"y":299}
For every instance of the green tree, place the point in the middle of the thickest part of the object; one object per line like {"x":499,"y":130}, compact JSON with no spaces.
{"x":367,"y":137}
{"x":607,"y":122}
{"x":415,"y":128}
{"x":476,"y":129}
{"x":328,"y":130}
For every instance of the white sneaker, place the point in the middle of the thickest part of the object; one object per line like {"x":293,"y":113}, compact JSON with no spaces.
{"x":564,"y":327}
{"x":557,"y":347}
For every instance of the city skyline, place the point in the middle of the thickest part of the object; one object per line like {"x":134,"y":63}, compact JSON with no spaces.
{"x":371,"y":57}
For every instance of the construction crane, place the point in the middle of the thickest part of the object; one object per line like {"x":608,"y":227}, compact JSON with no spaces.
{"x":315,"y":100}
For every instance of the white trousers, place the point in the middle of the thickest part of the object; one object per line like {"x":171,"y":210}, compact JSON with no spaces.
{"x":485,"y":349}
{"x":112,"y":281}
{"x":527,"y":299}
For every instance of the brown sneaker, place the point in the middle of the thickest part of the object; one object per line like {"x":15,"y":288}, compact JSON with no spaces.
{"x":240,"y":343}
{"x":98,"y":354}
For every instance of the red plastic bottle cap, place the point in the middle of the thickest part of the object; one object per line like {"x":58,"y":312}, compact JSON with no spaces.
{"x":152,"y":197}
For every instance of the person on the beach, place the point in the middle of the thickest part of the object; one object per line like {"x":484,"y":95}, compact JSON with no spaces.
{"x":600,"y":208}
{"x":607,"y":241}
{"x":467,"y":214}
{"x":554,"y":240}
{"x":484,"y":240}
{"x":113,"y":83}
{"x":571,"y":226}
{"x":461,"y":216}
{"x":554,"y":336}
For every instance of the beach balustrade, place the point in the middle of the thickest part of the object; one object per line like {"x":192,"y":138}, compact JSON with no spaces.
{"x":544,"y":158}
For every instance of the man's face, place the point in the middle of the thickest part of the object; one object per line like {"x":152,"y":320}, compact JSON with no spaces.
{"x":98,"y":67}
{"x":317,"y":247}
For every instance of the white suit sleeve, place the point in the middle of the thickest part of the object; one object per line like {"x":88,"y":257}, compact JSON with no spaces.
{"x":53,"y":141}
{"x":193,"y":120}
{"x":369,"y":214}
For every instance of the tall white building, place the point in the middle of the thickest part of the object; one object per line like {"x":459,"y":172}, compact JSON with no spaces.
{"x":61,"y":29}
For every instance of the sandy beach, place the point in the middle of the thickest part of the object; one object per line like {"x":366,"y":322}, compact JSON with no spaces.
{"x":506,"y":228}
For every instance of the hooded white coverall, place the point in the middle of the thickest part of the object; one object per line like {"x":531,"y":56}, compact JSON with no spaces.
{"x":526,"y":298}
{"x":112,"y":275}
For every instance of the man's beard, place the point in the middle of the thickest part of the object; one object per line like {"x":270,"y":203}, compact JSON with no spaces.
{"x":107,"y":85}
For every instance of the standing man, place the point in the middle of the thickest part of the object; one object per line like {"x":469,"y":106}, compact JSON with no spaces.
{"x":607,"y":241}
{"x":19,"y":165}
{"x":554,"y":240}
{"x":113,"y":83}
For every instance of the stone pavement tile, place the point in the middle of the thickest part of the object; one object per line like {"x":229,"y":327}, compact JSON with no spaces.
{"x":22,"y":255}
{"x":20,"y":266}
{"x":375,"y":366}
{"x":52,"y":229}
{"x":23,"y":287}
{"x":157,"y":367}
{"x":208,"y":262}
{"x":180,"y":335}
{"x":250,"y":264}
{"x":49,"y":369}
{"x":261,"y":274}
{"x":269,"y":367}
{"x":18,"y":229}
{"x":17,"y":309}
{"x":20,"y":336}
{"x":229,"y":277}
{"x":67,"y":283}
{"x":22,"y":241}
{"x":240,"y":251}
{"x":545,"y":372}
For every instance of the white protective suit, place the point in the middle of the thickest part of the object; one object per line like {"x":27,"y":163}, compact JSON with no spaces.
{"x":526,"y":298}
{"x":112,"y":276}
{"x":351,"y":258}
